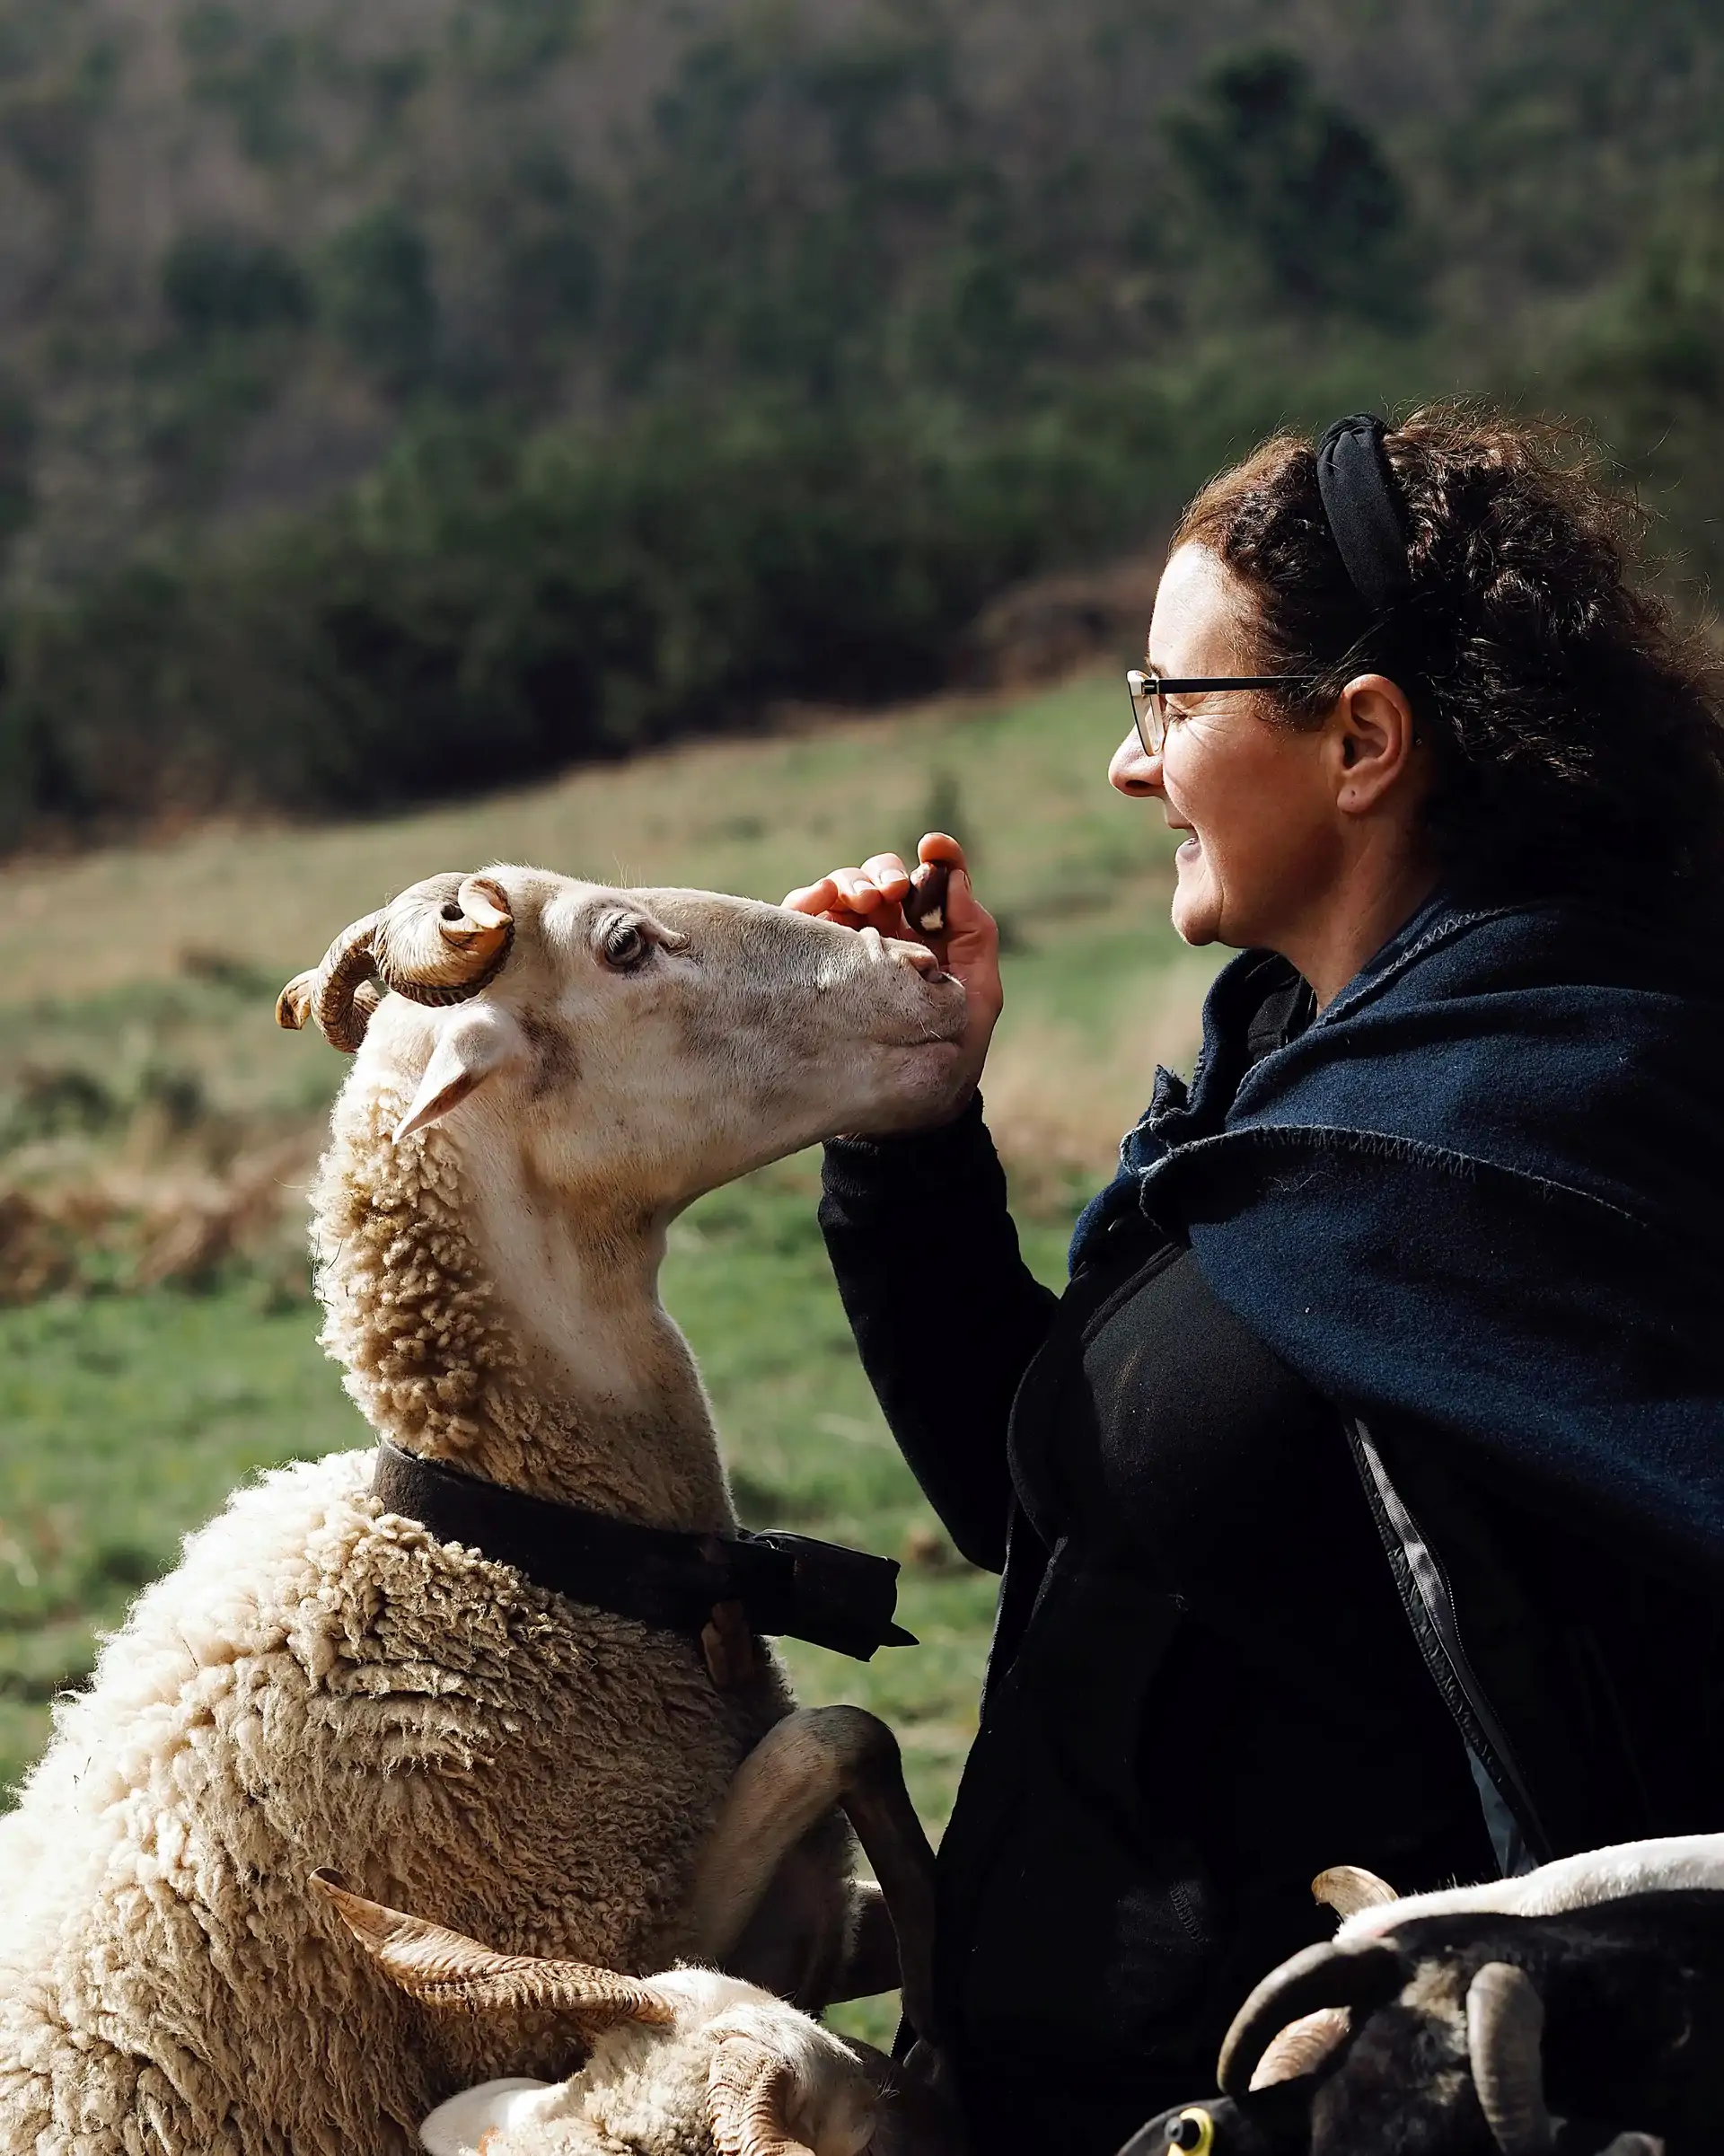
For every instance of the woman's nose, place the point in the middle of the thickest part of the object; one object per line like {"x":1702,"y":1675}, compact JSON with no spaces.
{"x":1133,"y":770}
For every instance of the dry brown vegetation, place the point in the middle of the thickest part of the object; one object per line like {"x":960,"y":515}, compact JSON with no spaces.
{"x":155,"y":1127}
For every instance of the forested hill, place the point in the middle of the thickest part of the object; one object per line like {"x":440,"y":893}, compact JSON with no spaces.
{"x":397,"y":395}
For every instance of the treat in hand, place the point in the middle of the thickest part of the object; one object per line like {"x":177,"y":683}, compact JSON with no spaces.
{"x":925,"y":905}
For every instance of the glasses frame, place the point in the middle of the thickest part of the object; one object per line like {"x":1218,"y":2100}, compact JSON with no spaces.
{"x":1149,"y":691}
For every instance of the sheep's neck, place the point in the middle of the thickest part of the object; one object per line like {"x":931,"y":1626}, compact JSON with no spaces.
{"x":482,"y":1325}
{"x":627,"y":1426}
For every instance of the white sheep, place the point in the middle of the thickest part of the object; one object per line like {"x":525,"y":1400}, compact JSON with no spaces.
{"x":1670,"y":1864}
{"x":680,"y":2064}
{"x":322,"y":1682}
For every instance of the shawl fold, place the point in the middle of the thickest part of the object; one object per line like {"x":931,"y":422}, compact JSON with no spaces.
{"x":1483,"y":1192}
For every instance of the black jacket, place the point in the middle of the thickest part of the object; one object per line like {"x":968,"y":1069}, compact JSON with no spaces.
{"x":1151,"y":1791}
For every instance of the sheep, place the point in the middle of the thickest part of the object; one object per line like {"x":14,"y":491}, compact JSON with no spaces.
{"x":545,"y":1072}
{"x":1576,"y":2008}
{"x":1669,"y":1864}
{"x":680,"y":2063}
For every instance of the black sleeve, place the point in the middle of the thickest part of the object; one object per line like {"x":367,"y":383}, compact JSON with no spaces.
{"x":945,"y":1313}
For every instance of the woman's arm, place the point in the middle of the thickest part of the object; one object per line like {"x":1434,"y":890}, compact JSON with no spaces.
{"x":945,"y":1313}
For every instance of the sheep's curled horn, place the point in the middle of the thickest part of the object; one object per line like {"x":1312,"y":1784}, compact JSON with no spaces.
{"x":1505,"y":2022}
{"x":1342,"y":1973}
{"x":1505,"y":2026}
{"x":747,"y":2088}
{"x":438,"y":942}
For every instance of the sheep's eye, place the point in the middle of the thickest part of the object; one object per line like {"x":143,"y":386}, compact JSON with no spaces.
{"x":1193,"y":2129}
{"x":623,"y":945}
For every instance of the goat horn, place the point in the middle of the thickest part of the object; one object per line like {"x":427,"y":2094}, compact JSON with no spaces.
{"x":747,"y":2086}
{"x":1505,"y":2023}
{"x":1347,"y":1889}
{"x":338,"y":992}
{"x":1302,"y":2047}
{"x":1349,"y":1973}
{"x":444,"y":939}
{"x":445,"y":1968}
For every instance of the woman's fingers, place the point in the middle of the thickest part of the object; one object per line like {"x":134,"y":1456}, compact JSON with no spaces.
{"x":870,"y":895}
{"x":941,"y":846}
{"x":879,"y":885}
{"x":938,"y":855}
{"x":812,"y":898}
{"x":839,"y":890}
{"x":886,"y":872}
{"x":873,"y":896}
{"x":829,"y":900}
{"x":967,"y":938}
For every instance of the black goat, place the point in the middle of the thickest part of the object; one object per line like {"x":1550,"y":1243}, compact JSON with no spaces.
{"x":1599,"y":2029}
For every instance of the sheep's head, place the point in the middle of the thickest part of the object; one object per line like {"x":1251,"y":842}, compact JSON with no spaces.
{"x":687,"y":1035}
{"x":689,"y":2058}
{"x":1433,"y":2036}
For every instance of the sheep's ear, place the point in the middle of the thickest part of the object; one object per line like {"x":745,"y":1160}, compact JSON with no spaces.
{"x":447,"y":1968}
{"x":469,"y":1048}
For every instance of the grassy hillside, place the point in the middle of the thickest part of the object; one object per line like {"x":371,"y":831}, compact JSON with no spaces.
{"x":567,"y":375}
{"x":142,"y":1079}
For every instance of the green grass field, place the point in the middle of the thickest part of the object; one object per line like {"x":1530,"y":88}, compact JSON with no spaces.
{"x":137,"y":1053}
{"x":127,"y":1419}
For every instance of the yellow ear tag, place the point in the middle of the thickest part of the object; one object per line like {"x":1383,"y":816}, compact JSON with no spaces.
{"x":1193,"y":2131}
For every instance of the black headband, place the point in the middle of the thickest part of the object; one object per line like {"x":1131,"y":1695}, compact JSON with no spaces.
{"x":1363,"y":506}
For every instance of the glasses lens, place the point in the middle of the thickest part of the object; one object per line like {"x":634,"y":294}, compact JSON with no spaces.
{"x":1149,"y":709}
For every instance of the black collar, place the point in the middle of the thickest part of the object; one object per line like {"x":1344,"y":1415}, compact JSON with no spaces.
{"x":784,"y":1584}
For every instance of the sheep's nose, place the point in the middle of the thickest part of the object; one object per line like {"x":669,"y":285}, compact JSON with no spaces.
{"x":916,"y":954}
{"x":896,"y":950}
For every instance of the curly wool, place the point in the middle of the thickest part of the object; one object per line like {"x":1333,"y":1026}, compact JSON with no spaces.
{"x":315,"y":1685}
{"x":432,"y":1362}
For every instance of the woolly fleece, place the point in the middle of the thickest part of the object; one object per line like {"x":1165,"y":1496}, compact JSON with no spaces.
{"x":317,"y":1684}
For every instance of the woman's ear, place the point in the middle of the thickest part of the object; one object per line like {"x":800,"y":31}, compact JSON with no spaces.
{"x":1374,"y":735}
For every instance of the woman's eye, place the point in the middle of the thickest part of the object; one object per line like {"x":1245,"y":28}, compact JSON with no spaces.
{"x":624,"y":945}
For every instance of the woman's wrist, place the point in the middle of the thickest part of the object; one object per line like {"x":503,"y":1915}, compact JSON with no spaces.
{"x":921,"y":1160}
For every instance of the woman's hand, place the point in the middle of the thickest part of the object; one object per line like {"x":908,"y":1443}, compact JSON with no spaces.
{"x":967,"y":946}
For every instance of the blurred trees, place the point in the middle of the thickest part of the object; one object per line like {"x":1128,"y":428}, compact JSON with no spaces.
{"x":216,"y":283}
{"x":1303,"y":185}
{"x":398,"y":399}
{"x":378,"y":302}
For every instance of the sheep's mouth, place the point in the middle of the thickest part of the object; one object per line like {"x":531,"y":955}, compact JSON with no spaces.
{"x":940,"y":1026}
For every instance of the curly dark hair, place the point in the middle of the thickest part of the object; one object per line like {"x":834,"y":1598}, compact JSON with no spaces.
{"x":1578,"y":733}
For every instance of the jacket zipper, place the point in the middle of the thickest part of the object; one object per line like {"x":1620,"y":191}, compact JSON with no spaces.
{"x":1429,"y":1604}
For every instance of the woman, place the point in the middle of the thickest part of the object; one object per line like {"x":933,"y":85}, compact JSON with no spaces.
{"x":1362,"y":1499}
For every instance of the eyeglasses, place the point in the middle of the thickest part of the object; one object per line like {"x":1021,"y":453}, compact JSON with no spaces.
{"x":1150,"y":691}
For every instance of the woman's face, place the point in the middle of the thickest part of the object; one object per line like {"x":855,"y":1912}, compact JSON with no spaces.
{"x":1262,"y":845}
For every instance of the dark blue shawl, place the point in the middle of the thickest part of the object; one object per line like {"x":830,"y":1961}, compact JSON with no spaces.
{"x":1483,"y":1191}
